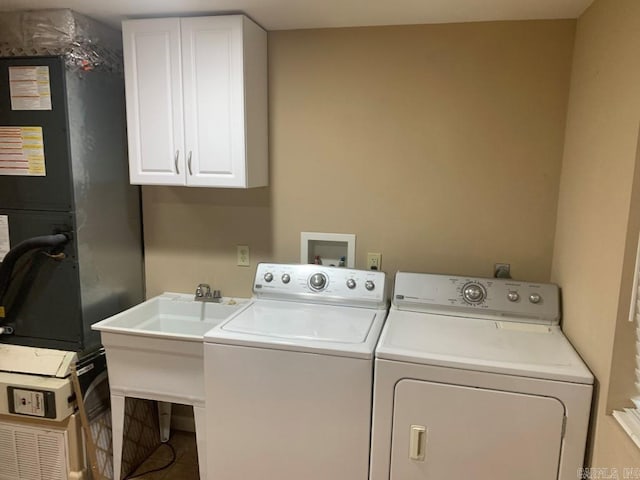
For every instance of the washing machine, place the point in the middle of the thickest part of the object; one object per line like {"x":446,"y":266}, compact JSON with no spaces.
{"x":475,"y":379}
{"x":288,"y":381}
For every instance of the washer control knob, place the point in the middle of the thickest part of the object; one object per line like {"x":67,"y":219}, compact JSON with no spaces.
{"x":318,"y":281}
{"x":351,"y":284}
{"x":513,"y":296}
{"x":268,"y":277}
{"x":286,"y":278}
{"x":473,"y":293}
{"x":369,"y":285}
{"x":535,"y":298}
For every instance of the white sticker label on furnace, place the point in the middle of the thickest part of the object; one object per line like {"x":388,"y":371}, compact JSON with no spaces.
{"x":22,"y":151}
{"x":4,"y":236}
{"x":30,"y":88}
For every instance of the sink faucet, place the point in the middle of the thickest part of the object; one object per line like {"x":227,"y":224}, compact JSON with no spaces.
{"x":204,"y":294}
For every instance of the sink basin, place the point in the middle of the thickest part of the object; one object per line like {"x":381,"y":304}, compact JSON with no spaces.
{"x":172,"y":315}
{"x":155,"y":349}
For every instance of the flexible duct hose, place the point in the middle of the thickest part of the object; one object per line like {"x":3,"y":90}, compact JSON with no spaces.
{"x":10,"y":259}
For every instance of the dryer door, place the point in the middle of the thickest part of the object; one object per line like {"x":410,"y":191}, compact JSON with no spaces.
{"x":445,"y":431}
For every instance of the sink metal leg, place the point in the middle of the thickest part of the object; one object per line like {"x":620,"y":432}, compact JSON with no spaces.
{"x":200,"y":416}
{"x":164,"y":417}
{"x":117,"y":426}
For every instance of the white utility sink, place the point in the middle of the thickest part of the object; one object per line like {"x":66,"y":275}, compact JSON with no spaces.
{"x":172,"y":315}
{"x":155,"y":351}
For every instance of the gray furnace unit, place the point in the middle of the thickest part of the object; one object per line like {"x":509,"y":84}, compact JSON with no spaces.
{"x":70,"y":226}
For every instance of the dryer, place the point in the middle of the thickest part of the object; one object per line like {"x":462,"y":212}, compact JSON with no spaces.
{"x":288,"y":381}
{"x":475,"y":379}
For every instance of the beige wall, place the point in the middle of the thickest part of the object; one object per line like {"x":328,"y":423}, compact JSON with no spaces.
{"x":597,"y":229}
{"x":437,"y":145}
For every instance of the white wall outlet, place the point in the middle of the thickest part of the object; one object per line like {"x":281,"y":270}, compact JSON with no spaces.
{"x":374,"y":261}
{"x":242,"y":255}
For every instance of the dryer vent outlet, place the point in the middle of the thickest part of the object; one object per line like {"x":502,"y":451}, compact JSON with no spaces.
{"x":502,"y":270}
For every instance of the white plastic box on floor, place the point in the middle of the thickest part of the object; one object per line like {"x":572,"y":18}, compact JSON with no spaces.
{"x":40,"y":436}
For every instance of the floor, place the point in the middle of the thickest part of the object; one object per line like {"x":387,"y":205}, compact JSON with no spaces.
{"x":186,"y":463}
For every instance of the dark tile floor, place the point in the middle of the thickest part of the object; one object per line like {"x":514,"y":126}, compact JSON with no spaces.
{"x":185,"y":466}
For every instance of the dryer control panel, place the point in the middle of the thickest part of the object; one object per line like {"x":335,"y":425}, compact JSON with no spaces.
{"x":492,"y":298}
{"x":321,"y":284}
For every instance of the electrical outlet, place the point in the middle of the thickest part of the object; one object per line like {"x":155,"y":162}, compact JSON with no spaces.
{"x":242,"y":255}
{"x":374,"y":261}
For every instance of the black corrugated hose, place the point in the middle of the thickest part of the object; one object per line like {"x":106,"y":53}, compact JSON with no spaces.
{"x":53,"y":242}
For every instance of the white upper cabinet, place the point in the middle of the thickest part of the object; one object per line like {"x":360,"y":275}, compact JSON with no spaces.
{"x":196,"y":101}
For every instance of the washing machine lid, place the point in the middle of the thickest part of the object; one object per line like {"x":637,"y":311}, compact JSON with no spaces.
{"x":537,"y":351}
{"x":285,"y":325}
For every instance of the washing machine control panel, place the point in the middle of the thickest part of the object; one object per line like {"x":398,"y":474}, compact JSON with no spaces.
{"x":477,"y":297}
{"x":318,"y":283}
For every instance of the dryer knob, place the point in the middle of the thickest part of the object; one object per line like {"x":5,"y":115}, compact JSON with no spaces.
{"x":268,"y":277}
{"x":369,"y":285}
{"x":351,"y":284}
{"x":286,"y":278}
{"x":535,"y":298}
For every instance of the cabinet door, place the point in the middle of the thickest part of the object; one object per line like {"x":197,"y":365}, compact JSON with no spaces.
{"x":454,"y":432}
{"x":212,"y":61}
{"x":154,"y":101}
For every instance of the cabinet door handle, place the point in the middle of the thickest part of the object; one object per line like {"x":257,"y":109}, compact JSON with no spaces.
{"x":189,"y":163}
{"x":175,"y":161}
{"x":417,"y":442}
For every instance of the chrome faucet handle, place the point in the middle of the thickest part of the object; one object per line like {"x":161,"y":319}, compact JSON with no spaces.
{"x":217,"y":296}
